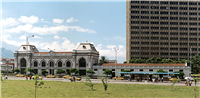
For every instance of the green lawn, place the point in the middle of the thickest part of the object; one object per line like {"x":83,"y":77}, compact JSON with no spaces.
{"x":58,"y":89}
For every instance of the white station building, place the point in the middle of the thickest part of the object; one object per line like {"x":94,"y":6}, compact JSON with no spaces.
{"x":83,"y":58}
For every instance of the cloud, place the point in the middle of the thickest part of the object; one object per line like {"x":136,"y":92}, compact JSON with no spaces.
{"x":59,"y":21}
{"x":42,"y":20}
{"x":92,"y":21}
{"x":66,"y":45}
{"x":9,"y":22}
{"x":28,"y":20}
{"x":110,"y":52}
{"x":23,"y":37}
{"x":115,"y":38}
{"x":46,"y":30}
{"x":56,"y":37}
{"x":71,"y":20}
{"x":37,"y":37}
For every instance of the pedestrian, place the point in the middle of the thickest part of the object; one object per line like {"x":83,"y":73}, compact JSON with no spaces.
{"x":189,"y":82}
{"x":186,"y":84}
{"x":30,"y":77}
{"x":162,"y":79}
{"x":74,"y":78}
{"x":33,"y":77}
{"x":6,"y":77}
{"x":26,"y":77}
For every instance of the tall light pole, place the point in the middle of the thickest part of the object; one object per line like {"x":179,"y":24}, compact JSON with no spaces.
{"x":27,"y":51}
{"x":51,"y":56}
{"x":115,"y":54}
{"x":191,"y":60}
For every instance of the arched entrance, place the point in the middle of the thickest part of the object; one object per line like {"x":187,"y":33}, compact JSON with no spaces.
{"x":82,"y":66}
{"x":82,"y":62}
{"x":23,"y":65}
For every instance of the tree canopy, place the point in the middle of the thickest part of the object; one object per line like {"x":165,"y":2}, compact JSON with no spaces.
{"x":181,"y":74}
{"x":59,"y":71}
{"x":44,"y":72}
{"x":90,"y":71}
{"x":158,"y":60}
{"x":125,"y":71}
{"x":160,"y":70}
{"x":17,"y":70}
{"x":102,"y":60}
{"x":107,"y":72}
{"x":74,"y":70}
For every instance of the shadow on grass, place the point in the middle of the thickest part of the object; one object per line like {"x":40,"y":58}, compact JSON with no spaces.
{"x":91,"y":90}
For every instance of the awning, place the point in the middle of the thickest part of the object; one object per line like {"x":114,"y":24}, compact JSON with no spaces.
{"x":146,"y":73}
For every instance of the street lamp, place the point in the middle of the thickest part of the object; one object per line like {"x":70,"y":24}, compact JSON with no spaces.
{"x":115,"y":54}
{"x":27,"y":51}
{"x":190,"y":59}
{"x":51,"y":56}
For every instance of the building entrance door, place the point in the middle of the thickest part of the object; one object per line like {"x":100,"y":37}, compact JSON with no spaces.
{"x":52,"y":71}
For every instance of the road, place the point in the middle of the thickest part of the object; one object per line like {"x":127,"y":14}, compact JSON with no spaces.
{"x":182,"y":83}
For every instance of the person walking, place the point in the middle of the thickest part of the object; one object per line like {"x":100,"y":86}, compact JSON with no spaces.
{"x":26,"y":77}
{"x":30,"y":77}
{"x":6,"y":77}
{"x":162,"y":79}
{"x":74,"y":78}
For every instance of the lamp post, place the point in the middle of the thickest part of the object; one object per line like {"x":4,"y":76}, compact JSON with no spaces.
{"x":51,"y":56}
{"x":190,"y":59}
{"x":27,"y":51}
{"x":115,"y":54}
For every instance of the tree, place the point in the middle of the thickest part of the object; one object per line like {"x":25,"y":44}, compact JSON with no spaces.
{"x":74,"y":70}
{"x":44,"y":72}
{"x":36,"y":83}
{"x":105,"y":83}
{"x":195,"y":63}
{"x":181,"y":74}
{"x":175,"y":80}
{"x":59,"y":71}
{"x":108,"y":72}
{"x":125,"y":71}
{"x":31,"y":70}
{"x":17,"y":70}
{"x":90,"y":72}
{"x":89,"y":83}
{"x":161,"y":71}
{"x":125,"y":62}
{"x":102,"y":60}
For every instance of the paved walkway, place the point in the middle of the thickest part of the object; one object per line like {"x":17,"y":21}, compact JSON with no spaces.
{"x":182,"y":83}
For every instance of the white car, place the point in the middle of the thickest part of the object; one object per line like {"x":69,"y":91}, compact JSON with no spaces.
{"x":189,"y":78}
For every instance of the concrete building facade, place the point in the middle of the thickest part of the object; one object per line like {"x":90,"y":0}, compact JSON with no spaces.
{"x":116,"y":68}
{"x":82,"y":58}
{"x":164,"y":29}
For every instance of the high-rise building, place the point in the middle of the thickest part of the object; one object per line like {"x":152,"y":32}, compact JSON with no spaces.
{"x":164,"y":29}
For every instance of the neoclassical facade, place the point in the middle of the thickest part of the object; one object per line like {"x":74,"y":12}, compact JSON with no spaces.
{"x":83,"y":58}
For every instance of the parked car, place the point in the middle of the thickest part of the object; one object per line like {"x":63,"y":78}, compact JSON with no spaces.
{"x":76,"y":78}
{"x":66,"y":77}
{"x":172,"y":79}
{"x":40,"y":78}
{"x":50,"y":76}
{"x":19,"y":75}
{"x":118,"y":78}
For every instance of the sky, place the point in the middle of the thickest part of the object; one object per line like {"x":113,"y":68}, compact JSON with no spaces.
{"x":63,"y":25}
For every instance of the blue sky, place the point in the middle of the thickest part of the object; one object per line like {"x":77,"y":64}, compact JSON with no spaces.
{"x":63,"y":25}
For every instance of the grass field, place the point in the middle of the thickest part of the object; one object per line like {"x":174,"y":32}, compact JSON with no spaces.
{"x":58,"y":89}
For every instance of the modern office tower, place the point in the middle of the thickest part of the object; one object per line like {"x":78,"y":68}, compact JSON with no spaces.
{"x":165,"y":29}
